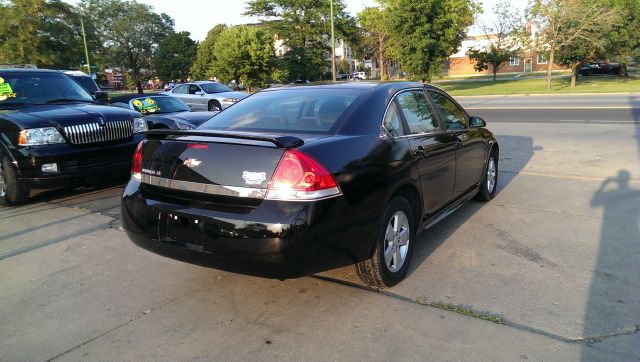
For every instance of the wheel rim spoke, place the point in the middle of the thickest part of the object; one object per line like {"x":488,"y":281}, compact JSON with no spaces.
{"x":403,"y":237}
{"x":388,"y":254}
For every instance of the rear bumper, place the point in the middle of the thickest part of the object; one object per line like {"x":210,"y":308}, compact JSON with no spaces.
{"x":274,"y":240}
{"x":76,"y":165}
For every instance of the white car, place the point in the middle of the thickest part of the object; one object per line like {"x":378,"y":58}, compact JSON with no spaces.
{"x":359,"y":75}
{"x":206,"y":95}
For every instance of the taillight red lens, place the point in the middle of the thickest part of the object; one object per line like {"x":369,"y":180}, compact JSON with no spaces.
{"x":136,"y":165}
{"x":300,"y":177}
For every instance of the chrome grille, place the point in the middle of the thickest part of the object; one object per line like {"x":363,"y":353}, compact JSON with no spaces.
{"x":95,"y":132}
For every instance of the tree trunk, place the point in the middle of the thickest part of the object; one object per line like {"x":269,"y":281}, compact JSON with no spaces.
{"x":550,"y":67}
{"x":139,"y":86}
{"x":495,"y":72}
{"x":574,"y":74}
{"x":623,"y":69}
{"x":381,"y":58}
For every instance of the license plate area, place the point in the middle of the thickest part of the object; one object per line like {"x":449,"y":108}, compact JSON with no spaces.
{"x":184,"y":231}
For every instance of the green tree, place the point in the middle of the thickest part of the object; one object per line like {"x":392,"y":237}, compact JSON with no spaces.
{"x":426,"y":32}
{"x":130,"y":32}
{"x":205,"y":57}
{"x":304,"y":27}
{"x":45,"y":33}
{"x":374,"y":27}
{"x":244,"y":54}
{"x":504,"y":37}
{"x":569,"y":24}
{"x":175,"y":56}
{"x":623,"y":41}
{"x":344,"y":67}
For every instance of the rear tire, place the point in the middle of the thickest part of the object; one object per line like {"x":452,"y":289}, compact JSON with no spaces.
{"x":393,"y":248}
{"x":11,"y":192}
{"x":214,"y":106}
{"x":489,"y":183}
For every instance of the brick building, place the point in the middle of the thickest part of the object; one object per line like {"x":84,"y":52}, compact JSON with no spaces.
{"x":529,"y":61}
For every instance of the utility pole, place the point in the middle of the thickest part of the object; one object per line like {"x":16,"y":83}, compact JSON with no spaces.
{"x":333,"y":46}
{"x":84,"y":39}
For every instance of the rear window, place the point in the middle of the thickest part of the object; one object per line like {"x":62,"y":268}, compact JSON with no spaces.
{"x":295,"y":110}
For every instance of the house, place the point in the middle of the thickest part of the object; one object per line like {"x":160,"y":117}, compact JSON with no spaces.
{"x":528,"y":61}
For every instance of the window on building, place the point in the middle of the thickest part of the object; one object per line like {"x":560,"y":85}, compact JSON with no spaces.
{"x":514,"y":61}
{"x":542,"y":59}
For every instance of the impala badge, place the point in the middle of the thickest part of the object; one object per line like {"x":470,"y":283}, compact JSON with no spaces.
{"x":192,"y":162}
{"x":254,"y":178}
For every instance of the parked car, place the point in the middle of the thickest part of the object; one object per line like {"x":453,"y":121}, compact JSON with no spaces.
{"x":84,"y":80}
{"x":54,"y":134}
{"x":359,"y":75}
{"x":298,"y":180}
{"x":161,"y":111}
{"x":600,"y":68}
{"x":206,"y":95}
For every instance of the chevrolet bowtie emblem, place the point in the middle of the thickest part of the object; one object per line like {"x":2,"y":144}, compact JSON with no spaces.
{"x":192,"y":162}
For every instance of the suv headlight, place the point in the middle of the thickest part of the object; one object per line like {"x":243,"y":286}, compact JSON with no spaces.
{"x":40,"y":136}
{"x":139,"y":125}
{"x":184,"y":125}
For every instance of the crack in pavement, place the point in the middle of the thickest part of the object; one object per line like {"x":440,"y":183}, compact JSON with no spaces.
{"x":486,"y":316}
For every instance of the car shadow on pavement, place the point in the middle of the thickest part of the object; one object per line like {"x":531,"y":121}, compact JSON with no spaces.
{"x":515,"y":153}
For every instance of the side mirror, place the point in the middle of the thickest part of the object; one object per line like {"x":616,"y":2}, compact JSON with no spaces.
{"x":477,"y":122}
{"x":102,"y":97}
{"x":199,"y":93}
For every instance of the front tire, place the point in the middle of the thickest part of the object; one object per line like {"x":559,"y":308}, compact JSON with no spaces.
{"x":11,"y":192}
{"x":489,"y":183}
{"x":214,"y":106}
{"x":394,"y":246}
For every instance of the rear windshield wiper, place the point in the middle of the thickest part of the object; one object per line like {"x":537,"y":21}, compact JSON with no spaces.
{"x":65,"y":100}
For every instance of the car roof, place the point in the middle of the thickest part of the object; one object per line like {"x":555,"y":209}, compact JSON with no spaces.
{"x":75,"y":73}
{"x":352,"y":85}
{"x":28,"y":70}
{"x":127,"y":97}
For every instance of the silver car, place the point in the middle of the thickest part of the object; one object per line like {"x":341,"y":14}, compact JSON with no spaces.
{"x":206,"y":96}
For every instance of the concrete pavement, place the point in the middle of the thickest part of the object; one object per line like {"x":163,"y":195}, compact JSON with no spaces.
{"x":555,"y":256}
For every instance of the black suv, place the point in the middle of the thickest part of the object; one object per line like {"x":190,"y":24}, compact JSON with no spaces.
{"x":54,"y":134}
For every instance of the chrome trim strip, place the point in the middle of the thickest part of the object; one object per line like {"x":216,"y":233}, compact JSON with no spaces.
{"x":233,"y":191}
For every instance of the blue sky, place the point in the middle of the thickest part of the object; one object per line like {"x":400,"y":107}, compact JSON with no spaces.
{"x":198,"y":16}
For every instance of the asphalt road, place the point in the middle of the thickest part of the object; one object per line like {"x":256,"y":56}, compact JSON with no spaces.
{"x":554,"y":258}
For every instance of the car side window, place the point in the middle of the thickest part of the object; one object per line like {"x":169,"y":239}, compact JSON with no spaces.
{"x":417,"y":112}
{"x":194,"y":88}
{"x":392,"y":121}
{"x":453,"y":117}
{"x":181,"y":89}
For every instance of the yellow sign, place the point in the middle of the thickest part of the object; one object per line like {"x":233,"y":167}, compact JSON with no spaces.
{"x":145,"y":106}
{"x":5,"y":90}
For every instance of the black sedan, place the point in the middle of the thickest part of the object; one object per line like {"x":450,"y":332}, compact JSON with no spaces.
{"x":600,"y":68}
{"x":161,"y":111}
{"x":297,"y":180}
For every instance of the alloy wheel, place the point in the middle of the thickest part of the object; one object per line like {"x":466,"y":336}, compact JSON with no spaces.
{"x":396,"y":241}
{"x":3,"y":183}
{"x":491,"y":175}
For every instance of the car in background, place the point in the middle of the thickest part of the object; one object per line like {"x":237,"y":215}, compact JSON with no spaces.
{"x":54,"y":134}
{"x":297,"y":180}
{"x":84,"y":80}
{"x":206,"y":95}
{"x":600,"y":68}
{"x":161,"y":111}
{"x":359,"y":75}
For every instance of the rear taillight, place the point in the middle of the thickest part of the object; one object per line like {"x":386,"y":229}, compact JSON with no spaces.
{"x":299,"y":177}
{"x":136,"y":165}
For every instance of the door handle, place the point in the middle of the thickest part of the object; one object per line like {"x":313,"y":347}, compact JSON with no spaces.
{"x":420,"y":152}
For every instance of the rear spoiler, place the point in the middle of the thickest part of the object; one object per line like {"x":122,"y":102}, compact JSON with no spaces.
{"x":278,"y":140}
